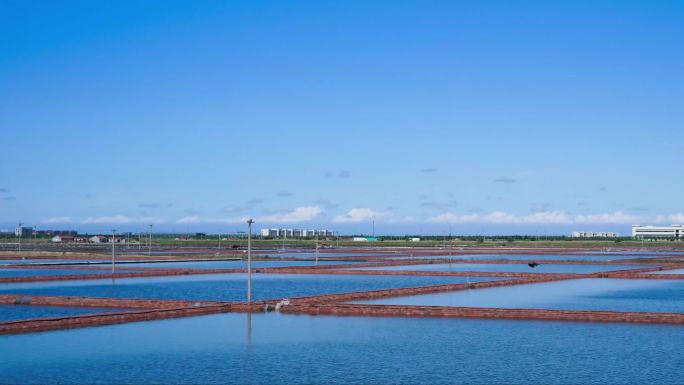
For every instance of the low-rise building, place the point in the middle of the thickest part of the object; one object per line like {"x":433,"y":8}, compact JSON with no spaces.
{"x":98,"y":239}
{"x":61,"y":238}
{"x":68,"y":238}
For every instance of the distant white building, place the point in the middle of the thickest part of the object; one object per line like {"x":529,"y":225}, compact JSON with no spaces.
{"x":294,"y":233}
{"x":414,"y":239}
{"x":594,"y":234}
{"x":672,"y":231}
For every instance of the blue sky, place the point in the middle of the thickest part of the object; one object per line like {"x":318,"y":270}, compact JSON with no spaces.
{"x":428,"y":116}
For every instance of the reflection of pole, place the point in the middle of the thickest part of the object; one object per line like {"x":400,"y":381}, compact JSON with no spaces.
{"x":249,"y":328}
{"x":249,"y":260}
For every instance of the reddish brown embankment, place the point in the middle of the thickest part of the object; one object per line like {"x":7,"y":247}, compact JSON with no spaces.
{"x":125,"y":303}
{"x":144,"y":310}
{"x":44,"y":324}
{"x":136,"y":274}
{"x":490,"y":313}
{"x":419,"y":290}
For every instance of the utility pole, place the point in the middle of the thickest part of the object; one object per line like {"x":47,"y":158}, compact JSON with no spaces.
{"x":113,"y":242}
{"x":149,"y":242}
{"x":316,"y":248}
{"x":249,"y":260}
{"x":18,"y":234}
{"x":219,"y":241}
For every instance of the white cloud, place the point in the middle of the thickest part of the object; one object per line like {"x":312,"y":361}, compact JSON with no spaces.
{"x":120,"y":219}
{"x":617,"y":217}
{"x":454,"y":218}
{"x":56,"y":220}
{"x":672,"y":218}
{"x":196,"y":219}
{"x":300,"y":214}
{"x":550,"y":217}
{"x":556,"y":217}
{"x":192,"y":219}
{"x":406,"y":219}
{"x":361,"y":214}
{"x":500,"y":217}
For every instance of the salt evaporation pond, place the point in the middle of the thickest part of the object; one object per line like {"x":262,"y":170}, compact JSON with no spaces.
{"x":227,"y":287}
{"x":638,"y":295}
{"x":22,"y":312}
{"x":232,"y":264}
{"x":45,"y":261}
{"x":507,"y":267}
{"x":675,"y":271}
{"x":310,"y":255}
{"x":532,"y":257}
{"x":10,"y":273}
{"x":299,"y":349}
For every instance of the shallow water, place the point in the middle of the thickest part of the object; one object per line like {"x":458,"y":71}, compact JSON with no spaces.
{"x":512,"y":267}
{"x":676,"y":271}
{"x":294,"y":349}
{"x":517,"y":257}
{"x":7,"y":273}
{"x":233,"y":264}
{"x":227,"y":287}
{"x":312,"y":255}
{"x":22,"y":312}
{"x":640,"y":295}
{"x":42,"y":261}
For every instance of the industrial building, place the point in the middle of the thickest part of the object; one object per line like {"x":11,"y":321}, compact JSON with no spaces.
{"x":21,"y":231}
{"x":294,"y":233}
{"x":669,"y":232}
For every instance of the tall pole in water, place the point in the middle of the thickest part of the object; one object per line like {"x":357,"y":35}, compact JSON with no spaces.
{"x":249,"y":260}
{"x":113,"y":241}
{"x":149,"y":242}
